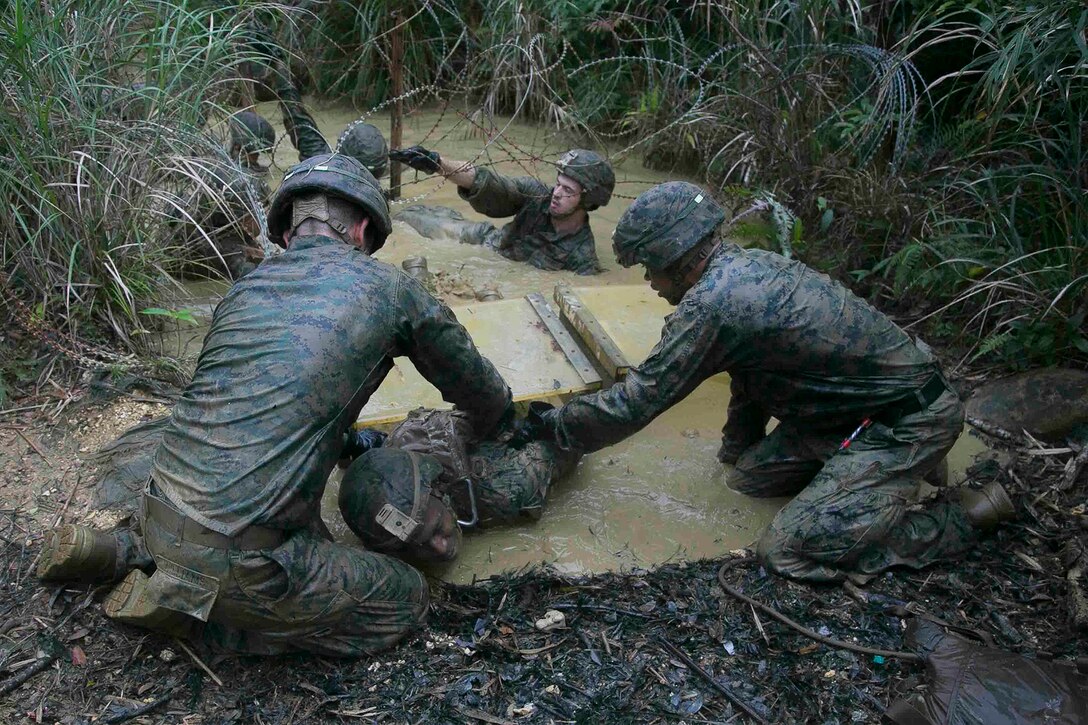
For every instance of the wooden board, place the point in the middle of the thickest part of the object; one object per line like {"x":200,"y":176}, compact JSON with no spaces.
{"x":623,"y":321}
{"x":597,"y":342}
{"x":530,"y":348}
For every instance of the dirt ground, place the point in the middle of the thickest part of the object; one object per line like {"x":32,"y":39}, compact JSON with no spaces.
{"x":482,"y":658}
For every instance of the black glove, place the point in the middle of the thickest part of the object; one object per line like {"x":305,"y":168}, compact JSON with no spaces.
{"x":418,"y":158}
{"x":539,"y":424}
{"x":358,"y":442}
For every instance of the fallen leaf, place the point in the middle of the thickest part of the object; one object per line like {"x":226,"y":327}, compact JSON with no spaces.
{"x":79,"y":657}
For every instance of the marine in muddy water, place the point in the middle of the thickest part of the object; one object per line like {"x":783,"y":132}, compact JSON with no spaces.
{"x":236,"y":552}
{"x":366,"y":144}
{"x":430,"y":469}
{"x":550,"y":229}
{"x":269,"y":72}
{"x":864,"y":411}
{"x":251,"y":135}
{"x":212,"y":219}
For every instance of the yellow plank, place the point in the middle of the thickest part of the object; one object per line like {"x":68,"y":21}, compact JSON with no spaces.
{"x":630,"y":315}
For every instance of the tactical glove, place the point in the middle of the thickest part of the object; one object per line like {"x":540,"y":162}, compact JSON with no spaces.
{"x":418,"y":158}
{"x":538,"y":425}
{"x":358,"y":442}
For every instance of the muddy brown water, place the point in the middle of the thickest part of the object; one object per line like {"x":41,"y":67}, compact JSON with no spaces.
{"x":658,"y":496}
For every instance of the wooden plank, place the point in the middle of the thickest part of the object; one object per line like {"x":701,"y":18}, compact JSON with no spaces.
{"x":512,"y":335}
{"x":564,"y":339}
{"x":599,"y":343}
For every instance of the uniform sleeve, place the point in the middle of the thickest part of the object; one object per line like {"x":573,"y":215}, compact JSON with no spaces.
{"x":693,"y":347}
{"x":297,"y":121}
{"x":441,"y":349}
{"x":500,"y":196}
{"x":584,"y":261}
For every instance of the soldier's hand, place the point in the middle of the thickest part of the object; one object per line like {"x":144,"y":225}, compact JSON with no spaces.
{"x":358,"y":442}
{"x":539,"y":424}
{"x":419,"y":158}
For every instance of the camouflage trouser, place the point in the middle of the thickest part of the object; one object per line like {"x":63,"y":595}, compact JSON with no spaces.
{"x":273,"y":81}
{"x":851,"y":516}
{"x":307,"y":594}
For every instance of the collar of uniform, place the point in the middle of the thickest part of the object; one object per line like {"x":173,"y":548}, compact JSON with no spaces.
{"x":315,"y":240}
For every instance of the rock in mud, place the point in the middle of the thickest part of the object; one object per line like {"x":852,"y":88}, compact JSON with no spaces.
{"x":1049,"y":404}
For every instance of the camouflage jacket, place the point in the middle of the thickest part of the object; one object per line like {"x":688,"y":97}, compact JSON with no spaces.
{"x":531,"y":237}
{"x":294,"y":352}
{"x":797,"y":345}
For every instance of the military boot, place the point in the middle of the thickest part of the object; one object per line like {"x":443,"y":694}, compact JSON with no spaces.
{"x":132,"y":603}
{"x":988,"y":506}
{"x":80,"y":552}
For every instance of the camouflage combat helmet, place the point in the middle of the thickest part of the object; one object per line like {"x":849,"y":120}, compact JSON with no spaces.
{"x":663,"y":223}
{"x":251,"y":133}
{"x":384,"y":496}
{"x":337,"y":175}
{"x":366,"y":144}
{"x":593,"y":172}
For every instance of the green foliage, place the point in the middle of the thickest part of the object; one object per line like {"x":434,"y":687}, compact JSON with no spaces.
{"x":102,"y":106}
{"x":177,"y":315}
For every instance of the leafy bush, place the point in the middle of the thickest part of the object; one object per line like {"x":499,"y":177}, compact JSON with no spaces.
{"x":102,"y":106}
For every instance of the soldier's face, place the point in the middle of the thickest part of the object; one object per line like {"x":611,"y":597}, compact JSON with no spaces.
{"x":566,"y":195}
{"x":666,"y":286}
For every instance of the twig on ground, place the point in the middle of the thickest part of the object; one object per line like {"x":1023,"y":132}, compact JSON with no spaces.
{"x":830,"y":641}
{"x":141,"y":710}
{"x":683,"y":656}
{"x":35,"y":446}
{"x":30,"y":671}
{"x":199,"y":662}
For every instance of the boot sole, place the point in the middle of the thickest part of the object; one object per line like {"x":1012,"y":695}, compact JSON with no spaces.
{"x":126,"y":602}
{"x":60,"y":557}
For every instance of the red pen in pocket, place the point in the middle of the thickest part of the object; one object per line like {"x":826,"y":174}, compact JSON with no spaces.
{"x":857,"y":431}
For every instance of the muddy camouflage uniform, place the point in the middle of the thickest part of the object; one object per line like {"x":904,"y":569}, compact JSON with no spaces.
{"x":270,"y":71}
{"x":294,"y":352}
{"x":803,"y":349}
{"x":213,"y":219}
{"x":509,"y":483}
{"x":530,"y":237}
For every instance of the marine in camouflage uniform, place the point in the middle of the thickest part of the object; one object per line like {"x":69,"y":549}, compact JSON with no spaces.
{"x":250,"y":136}
{"x":483,"y":482}
{"x":550,"y":229}
{"x":802,"y":348}
{"x":267,"y":68}
{"x":213,"y":219}
{"x":295,"y":350}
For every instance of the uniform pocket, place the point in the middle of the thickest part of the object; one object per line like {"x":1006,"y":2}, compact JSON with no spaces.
{"x":181,"y":589}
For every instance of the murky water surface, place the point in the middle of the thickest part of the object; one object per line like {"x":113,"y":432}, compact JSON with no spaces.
{"x":656,"y":497}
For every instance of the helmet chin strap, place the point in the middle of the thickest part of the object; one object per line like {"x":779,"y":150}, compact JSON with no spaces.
{"x":699,"y":255}
{"x":315,"y":206}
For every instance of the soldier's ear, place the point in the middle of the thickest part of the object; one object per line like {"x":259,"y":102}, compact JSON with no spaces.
{"x":359,"y":237}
